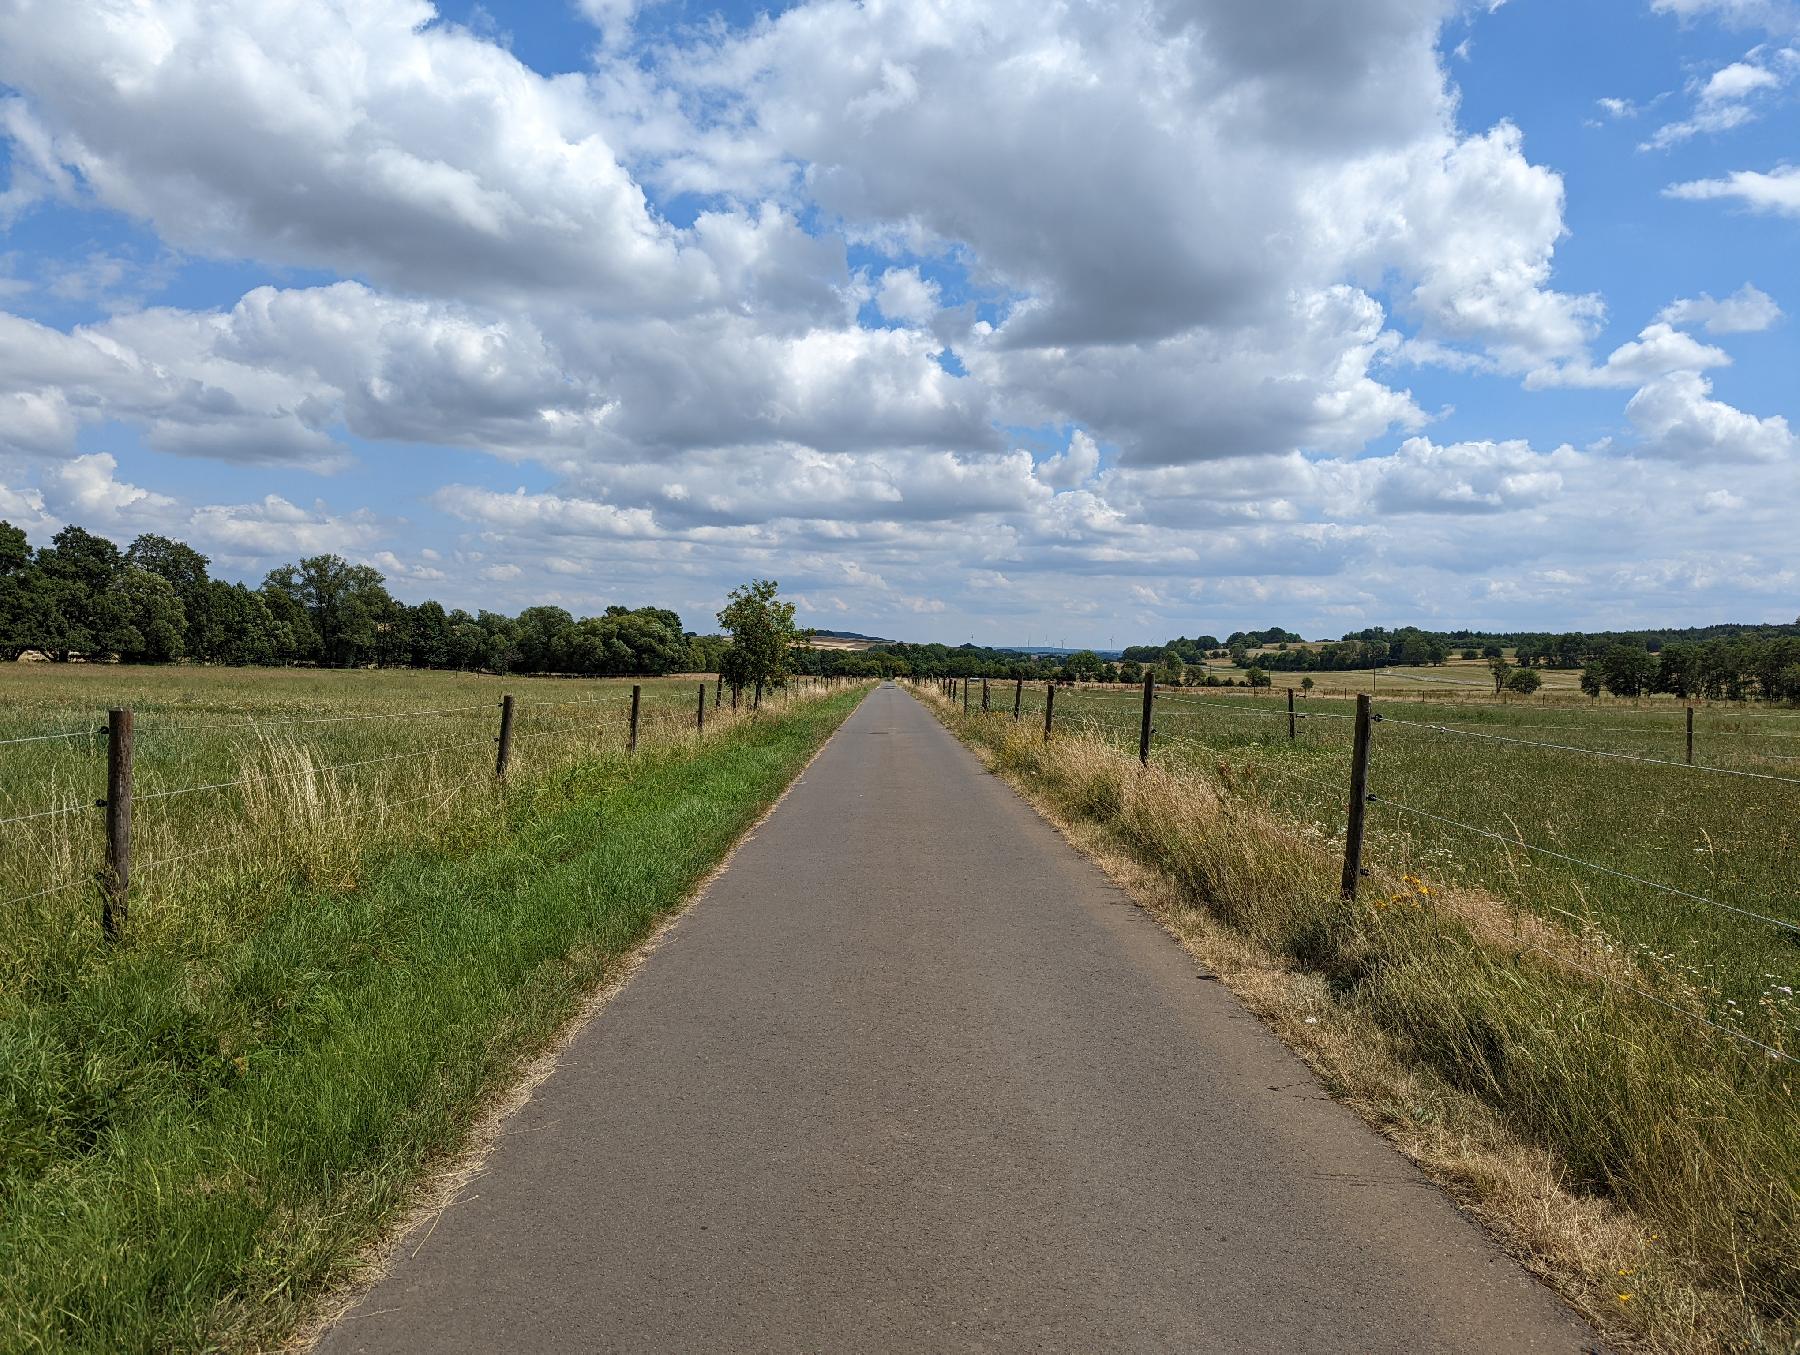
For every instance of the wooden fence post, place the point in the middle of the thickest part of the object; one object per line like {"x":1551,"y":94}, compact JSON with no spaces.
{"x":1290,"y":692}
{"x":1359,"y":798}
{"x":1049,"y":709}
{"x":504,"y":755}
{"x":757,"y":703}
{"x":637,"y":693}
{"x":984,"y":696}
{"x":700,"y":711}
{"x":1690,"y":732}
{"x":965,"y":696}
{"x":1144,"y":724}
{"x":115,"y":881}
{"x":718,"y":690}
{"x":1018,"y":698}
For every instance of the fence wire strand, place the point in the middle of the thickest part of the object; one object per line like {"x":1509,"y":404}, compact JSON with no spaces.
{"x":1591,"y":752}
{"x":1590,"y":865}
{"x":267,"y":723}
{"x":41,"y":893}
{"x":1609,"y":981}
{"x":45,"y":814}
{"x":68,"y":734}
{"x":308,"y":771}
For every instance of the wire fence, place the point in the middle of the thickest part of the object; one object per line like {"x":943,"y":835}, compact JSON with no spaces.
{"x":619,"y":721}
{"x":1287,"y":757}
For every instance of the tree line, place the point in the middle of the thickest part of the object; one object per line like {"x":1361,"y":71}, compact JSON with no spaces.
{"x":154,"y":602}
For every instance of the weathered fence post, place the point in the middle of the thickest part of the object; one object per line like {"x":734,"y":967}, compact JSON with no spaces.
{"x":1018,"y":698}
{"x":637,"y":693}
{"x":504,"y":755}
{"x":1144,"y":724}
{"x":1290,"y":692}
{"x":700,"y":711}
{"x":1359,"y":798}
{"x":1690,"y":732}
{"x":757,"y":703}
{"x":984,"y":696}
{"x":115,"y":881}
{"x":965,"y":696}
{"x":1049,"y":709}
{"x":718,"y":690}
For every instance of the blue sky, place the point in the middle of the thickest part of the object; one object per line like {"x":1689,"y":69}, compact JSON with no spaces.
{"x":1099,"y":323}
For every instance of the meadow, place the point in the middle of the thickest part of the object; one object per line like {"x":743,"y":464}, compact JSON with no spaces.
{"x":345,"y":935}
{"x":1611,"y":1009}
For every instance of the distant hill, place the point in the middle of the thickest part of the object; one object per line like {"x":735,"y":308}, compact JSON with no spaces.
{"x":846,"y":640}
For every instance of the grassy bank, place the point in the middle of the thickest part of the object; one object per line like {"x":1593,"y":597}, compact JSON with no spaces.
{"x":1646,"y":1163}
{"x":201,"y":1128}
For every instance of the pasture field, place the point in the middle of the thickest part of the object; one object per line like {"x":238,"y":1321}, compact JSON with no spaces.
{"x":1604,"y":1018}
{"x":1454,"y":680}
{"x":344,"y":936}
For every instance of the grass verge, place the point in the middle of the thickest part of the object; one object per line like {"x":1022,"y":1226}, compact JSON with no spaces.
{"x":196,"y":1142}
{"x":1645,"y":1165}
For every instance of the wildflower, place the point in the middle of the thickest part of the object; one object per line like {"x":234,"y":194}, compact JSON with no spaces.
{"x":1312,"y":1020}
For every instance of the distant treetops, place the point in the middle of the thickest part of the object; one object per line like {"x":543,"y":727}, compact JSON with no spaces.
{"x":81,"y":596}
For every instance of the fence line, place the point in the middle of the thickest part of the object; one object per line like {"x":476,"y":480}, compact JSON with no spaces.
{"x":114,"y":878}
{"x":1585,"y":923}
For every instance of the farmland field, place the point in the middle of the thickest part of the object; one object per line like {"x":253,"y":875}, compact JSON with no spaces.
{"x":1564,"y":778}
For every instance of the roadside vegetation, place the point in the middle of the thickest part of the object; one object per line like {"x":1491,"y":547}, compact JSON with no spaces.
{"x":326,"y":973}
{"x":1601,"y":1070}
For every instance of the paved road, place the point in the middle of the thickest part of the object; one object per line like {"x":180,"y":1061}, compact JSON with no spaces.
{"x":914,"y":1076}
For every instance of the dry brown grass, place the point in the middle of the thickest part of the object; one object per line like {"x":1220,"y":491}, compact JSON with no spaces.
{"x":1641,"y":1163}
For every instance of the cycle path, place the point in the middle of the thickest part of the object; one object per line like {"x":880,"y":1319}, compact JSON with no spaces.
{"x":913,"y":1075}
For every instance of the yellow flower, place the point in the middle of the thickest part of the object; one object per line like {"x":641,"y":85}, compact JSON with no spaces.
{"x":1624,"y":1298}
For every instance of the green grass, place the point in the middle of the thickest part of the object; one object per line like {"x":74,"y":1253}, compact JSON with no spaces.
{"x":200,"y":1128}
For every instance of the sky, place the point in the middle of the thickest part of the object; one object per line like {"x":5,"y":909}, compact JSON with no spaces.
{"x":1071,"y":323}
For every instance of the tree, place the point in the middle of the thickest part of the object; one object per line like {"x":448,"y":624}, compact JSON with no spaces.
{"x":344,"y":603}
{"x":1257,"y":678}
{"x":144,"y":619}
{"x":185,"y":570}
{"x":1306,"y":684}
{"x":78,"y":567}
{"x":1627,"y":670}
{"x":762,"y":633}
{"x":15,"y":550}
{"x":1524,"y":681}
{"x":1497,"y":666}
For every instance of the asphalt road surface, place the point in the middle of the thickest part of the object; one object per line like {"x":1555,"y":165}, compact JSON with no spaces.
{"x":913,"y":1075}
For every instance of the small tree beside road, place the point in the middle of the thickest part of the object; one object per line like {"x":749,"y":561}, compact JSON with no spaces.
{"x":763,"y":634}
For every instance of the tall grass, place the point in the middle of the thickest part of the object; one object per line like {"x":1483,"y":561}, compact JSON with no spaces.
{"x":1516,"y":1038}
{"x":200,"y":1127}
